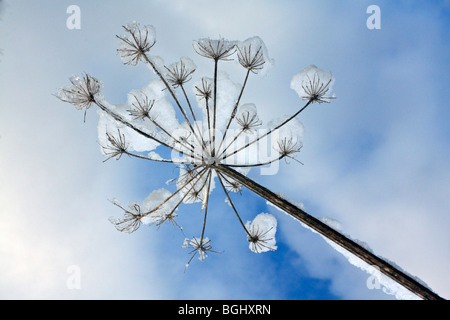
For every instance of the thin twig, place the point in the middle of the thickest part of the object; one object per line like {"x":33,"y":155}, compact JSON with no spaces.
{"x":176,"y":192}
{"x":206,"y":204}
{"x":233,"y":113}
{"x":173,"y":96}
{"x":268,"y":132}
{"x":219,"y":175}
{"x":118,"y":118}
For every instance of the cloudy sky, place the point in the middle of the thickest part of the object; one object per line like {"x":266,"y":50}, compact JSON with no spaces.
{"x":377,"y":159}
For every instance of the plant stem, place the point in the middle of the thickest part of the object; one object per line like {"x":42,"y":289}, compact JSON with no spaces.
{"x":269,"y":132}
{"x":386,"y":268}
{"x":119,"y":119}
{"x":206,"y":206}
{"x":219,"y":175}
{"x":233,"y":113}
{"x":193,"y":116}
{"x":215,"y":107}
{"x":199,"y":175}
{"x":173,"y":96}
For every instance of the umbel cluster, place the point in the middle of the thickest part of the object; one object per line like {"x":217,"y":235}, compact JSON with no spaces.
{"x":206,"y":141}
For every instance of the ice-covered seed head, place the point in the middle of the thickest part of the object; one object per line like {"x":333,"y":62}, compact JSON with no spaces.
{"x":314,"y":85}
{"x":136,"y":43}
{"x":81,"y":92}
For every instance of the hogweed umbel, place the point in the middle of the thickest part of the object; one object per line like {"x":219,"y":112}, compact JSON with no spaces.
{"x":221,"y":147}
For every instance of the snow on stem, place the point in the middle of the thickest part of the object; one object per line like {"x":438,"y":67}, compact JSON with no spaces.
{"x":331,"y":234}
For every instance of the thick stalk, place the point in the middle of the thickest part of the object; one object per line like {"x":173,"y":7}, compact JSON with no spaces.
{"x":157,"y":160}
{"x":331,"y":234}
{"x":215,"y":107}
{"x":206,"y":207}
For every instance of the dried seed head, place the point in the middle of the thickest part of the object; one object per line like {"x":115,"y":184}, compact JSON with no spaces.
{"x":314,"y":85}
{"x":136,"y":43}
{"x":162,"y":217}
{"x":116,"y":147}
{"x":248,"y":121}
{"x":204,"y":91}
{"x":82,"y":91}
{"x":215,"y":49}
{"x":187,"y":173}
{"x":261,"y":233}
{"x":179,"y":73}
{"x":131,"y":220}
{"x":204,"y":157}
{"x":316,"y":90}
{"x":287,"y":147}
{"x":232,"y":186}
{"x":141,"y":106}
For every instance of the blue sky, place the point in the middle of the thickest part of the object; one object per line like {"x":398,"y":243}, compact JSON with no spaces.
{"x":376,"y":159}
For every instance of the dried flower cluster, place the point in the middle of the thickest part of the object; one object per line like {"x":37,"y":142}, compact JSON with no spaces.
{"x":220,"y":133}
